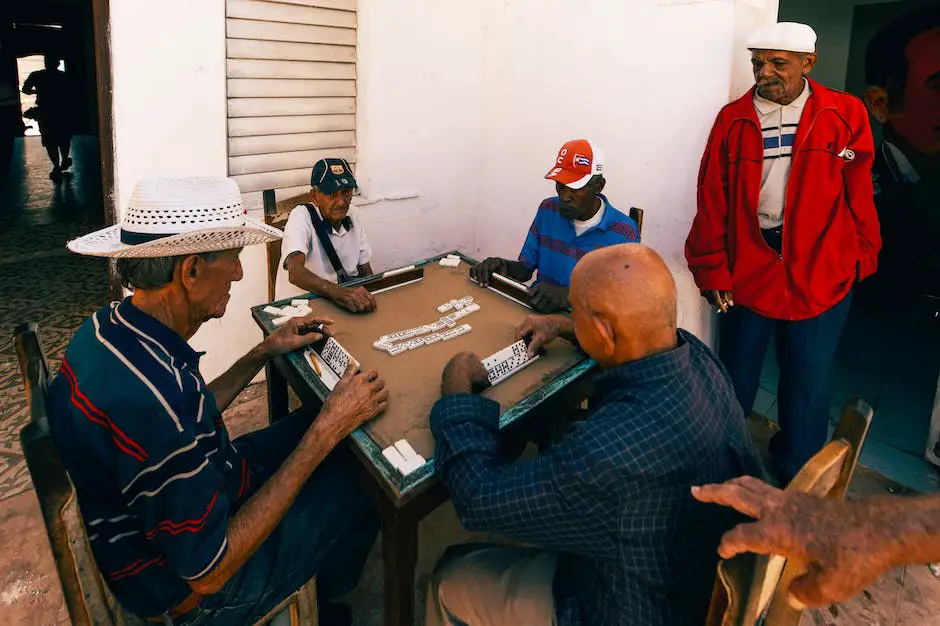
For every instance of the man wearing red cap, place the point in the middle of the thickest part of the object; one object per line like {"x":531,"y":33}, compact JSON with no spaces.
{"x":566,"y":227}
{"x":786,"y":226}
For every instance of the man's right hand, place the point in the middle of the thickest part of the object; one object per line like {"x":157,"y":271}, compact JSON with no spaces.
{"x":354,"y":299}
{"x":356,"y":399}
{"x":544,"y":329}
{"x":721,"y":300}
{"x":482,"y":271}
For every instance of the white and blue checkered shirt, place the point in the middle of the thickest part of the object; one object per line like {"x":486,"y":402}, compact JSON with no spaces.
{"x":613,"y":497}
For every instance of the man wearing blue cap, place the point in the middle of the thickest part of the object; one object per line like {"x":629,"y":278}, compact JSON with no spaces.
{"x":324,"y":245}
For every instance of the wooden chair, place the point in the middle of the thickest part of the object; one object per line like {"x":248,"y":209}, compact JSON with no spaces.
{"x":752,"y":589}
{"x":87,"y":598}
{"x":276,"y":214}
{"x":636,"y":215}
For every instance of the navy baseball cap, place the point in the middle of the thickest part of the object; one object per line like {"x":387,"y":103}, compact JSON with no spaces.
{"x":331,"y":175}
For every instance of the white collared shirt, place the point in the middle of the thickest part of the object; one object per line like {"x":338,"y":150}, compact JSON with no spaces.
{"x":351,"y":246}
{"x":778,"y":124}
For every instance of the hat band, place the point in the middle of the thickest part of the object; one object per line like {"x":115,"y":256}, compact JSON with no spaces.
{"x":133,"y":239}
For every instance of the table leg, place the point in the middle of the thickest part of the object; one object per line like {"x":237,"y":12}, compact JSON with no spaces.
{"x":277,"y":392}
{"x":400,"y":549}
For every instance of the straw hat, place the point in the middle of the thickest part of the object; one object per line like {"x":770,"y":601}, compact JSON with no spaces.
{"x":174,"y":216}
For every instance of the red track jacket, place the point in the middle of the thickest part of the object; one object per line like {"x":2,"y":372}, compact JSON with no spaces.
{"x":830,"y":230}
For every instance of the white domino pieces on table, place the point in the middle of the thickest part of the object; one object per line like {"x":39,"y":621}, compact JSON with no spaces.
{"x":272,"y":310}
{"x":403,"y":457}
{"x":280,"y":321}
{"x":501,"y":365}
{"x":300,"y":303}
{"x":449,"y":261}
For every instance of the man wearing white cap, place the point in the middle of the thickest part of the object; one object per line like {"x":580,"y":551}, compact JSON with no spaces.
{"x":576,"y":221}
{"x":186,"y":525}
{"x":786,"y":226}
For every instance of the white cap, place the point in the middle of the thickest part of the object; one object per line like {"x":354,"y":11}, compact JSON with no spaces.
{"x":788,"y":36}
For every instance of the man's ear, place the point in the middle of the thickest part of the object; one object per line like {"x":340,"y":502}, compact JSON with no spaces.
{"x":606,"y":335}
{"x":878,"y":102}
{"x":809,"y":62}
{"x":191,"y":269}
{"x":599,"y":185}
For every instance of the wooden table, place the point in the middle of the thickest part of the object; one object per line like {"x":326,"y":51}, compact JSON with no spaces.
{"x":555,"y":382}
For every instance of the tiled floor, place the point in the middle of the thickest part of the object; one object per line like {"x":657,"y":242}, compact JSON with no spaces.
{"x":40,"y":281}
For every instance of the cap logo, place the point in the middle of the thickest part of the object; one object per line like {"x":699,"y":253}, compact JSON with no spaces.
{"x":580,"y":159}
{"x":599,"y":167}
{"x":337,"y":169}
{"x":557,"y":170}
{"x":561,"y":156}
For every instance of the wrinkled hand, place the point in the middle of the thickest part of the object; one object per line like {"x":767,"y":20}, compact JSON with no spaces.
{"x":355,"y":299}
{"x":548,"y":298}
{"x":464,"y":374}
{"x":721,"y":300}
{"x":295,"y":334}
{"x":356,"y":399}
{"x":482,"y":271}
{"x":841,"y":546}
{"x":543,"y":329}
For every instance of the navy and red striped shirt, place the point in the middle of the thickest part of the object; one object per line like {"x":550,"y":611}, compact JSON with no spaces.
{"x":552,"y":247}
{"x":143,"y":441}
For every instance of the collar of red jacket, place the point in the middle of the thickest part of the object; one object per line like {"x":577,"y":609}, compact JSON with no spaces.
{"x":820,"y":98}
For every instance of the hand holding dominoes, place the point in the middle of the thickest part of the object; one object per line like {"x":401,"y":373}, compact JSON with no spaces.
{"x":295,"y":334}
{"x":464,"y":373}
{"x":357,"y":398}
{"x":539,"y":330}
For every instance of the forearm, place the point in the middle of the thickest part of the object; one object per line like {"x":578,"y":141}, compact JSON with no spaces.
{"x":910,"y":528}
{"x":308,"y":281}
{"x":258,"y":517}
{"x":226,"y":387}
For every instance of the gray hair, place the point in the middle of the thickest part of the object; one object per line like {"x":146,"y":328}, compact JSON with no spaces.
{"x":152,"y":273}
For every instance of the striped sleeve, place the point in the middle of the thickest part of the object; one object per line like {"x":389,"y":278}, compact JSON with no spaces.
{"x":178,"y":495}
{"x":530,"y":249}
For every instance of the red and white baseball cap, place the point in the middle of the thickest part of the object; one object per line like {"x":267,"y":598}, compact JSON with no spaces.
{"x":578,"y":161}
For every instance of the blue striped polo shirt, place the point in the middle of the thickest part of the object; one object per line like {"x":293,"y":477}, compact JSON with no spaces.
{"x":143,"y":441}
{"x":552,"y":247}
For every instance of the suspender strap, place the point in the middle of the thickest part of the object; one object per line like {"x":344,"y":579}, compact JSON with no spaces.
{"x":322,"y":228}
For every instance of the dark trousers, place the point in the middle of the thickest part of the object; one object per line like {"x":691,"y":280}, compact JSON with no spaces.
{"x":328,"y":533}
{"x":805,"y":353}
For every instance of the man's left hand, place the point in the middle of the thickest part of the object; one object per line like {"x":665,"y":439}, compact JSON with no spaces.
{"x":548,"y":298}
{"x":464,"y":374}
{"x":295,"y":334}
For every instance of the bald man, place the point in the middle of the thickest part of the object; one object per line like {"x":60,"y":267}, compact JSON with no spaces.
{"x":613,"y":533}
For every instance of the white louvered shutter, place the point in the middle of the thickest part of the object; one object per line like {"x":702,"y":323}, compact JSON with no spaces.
{"x":291,"y":91}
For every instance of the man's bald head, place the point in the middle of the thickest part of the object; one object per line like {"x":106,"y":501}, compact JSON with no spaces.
{"x":623,"y":300}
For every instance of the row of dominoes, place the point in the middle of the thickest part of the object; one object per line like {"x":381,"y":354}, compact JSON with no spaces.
{"x":425,"y":340}
{"x":403,"y":457}
{"x":451,"y":260}
{"x":297,"y":308}
{"x":456,"y":304}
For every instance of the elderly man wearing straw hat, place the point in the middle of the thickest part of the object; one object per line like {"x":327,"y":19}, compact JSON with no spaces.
{"x":186,"y":525}
{"x":786,"y":226}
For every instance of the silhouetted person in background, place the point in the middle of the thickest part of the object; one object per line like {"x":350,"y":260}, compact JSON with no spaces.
{"x":902,"y":69}
{"x":52,"y":89}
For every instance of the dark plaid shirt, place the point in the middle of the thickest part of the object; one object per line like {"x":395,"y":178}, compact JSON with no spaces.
{"x":613,"y":497}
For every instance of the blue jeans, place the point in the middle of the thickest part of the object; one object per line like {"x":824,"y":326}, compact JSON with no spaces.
{"x":327,"y":532}
{"x":805,"y":353}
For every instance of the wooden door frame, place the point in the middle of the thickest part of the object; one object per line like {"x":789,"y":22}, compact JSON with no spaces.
{"x":101,"y":18}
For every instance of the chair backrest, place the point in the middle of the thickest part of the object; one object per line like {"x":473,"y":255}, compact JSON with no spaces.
{"x":87,"y":599}
{"x":751,"y":588}
{"x":636,"y":215}
{"x":276,"y":214}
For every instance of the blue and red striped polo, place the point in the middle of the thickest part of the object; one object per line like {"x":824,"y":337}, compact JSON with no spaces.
{"x":143,"y":441}
{"x":552,"y":247}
